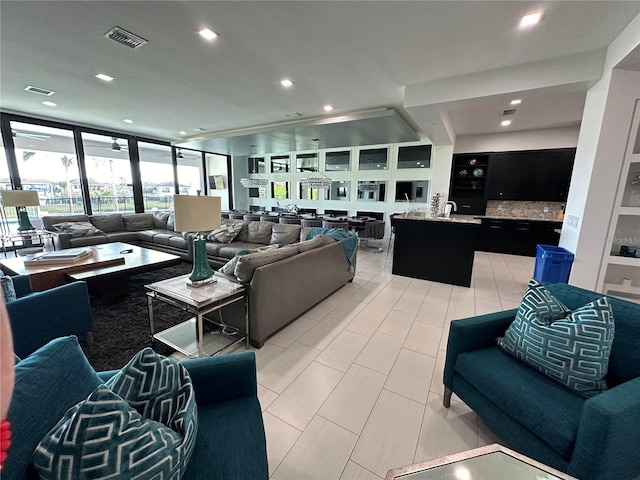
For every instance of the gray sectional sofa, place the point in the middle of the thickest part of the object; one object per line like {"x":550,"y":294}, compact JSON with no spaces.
{"x":151,"y":230}
{"x":282,"y":283}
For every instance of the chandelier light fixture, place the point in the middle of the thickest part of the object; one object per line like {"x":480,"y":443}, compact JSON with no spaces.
{"x":317,"y":179}
{"x":254,"y":180}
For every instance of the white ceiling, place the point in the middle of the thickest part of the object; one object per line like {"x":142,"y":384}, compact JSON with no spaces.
{"x":360,"y":56}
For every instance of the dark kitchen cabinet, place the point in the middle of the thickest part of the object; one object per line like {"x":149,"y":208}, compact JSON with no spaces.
{"x":539,"y":175}
{"x":516,"y":237}
{"x":469,"y":173}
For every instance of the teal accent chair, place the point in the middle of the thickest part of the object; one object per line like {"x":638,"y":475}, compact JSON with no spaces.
{"x":595,"y":438}
{"x":39,"y":317}
{"x":230,"y":443}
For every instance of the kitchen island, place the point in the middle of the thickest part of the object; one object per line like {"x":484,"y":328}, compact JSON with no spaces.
{"x":435,"y":248}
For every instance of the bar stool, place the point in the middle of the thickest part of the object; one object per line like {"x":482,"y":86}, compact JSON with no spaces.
{"x":330,"y":224}
{"x":251,"y":217}
{"x":289,"y":220}
{"x":373,"y":230}
{"x":306,"y":222}
{"x":269,"y":218}
{"x":236,"y":216}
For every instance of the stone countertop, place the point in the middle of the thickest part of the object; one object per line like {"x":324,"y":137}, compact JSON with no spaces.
{"x":425,"y":216}
{"x":528,"y":219}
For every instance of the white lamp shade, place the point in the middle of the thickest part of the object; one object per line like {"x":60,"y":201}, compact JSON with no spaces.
{"x":20,"y":198}
{"x":196,"y":213}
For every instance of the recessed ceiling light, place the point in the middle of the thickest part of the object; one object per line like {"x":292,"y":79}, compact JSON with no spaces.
{"x":104,"y":77}
{"x":530,"y":19}
{"x":505,"y":123}
{"x":127,"y":120}
{"x":328,"y":108}
{"x":182,"y":133}
{"x":285,"y":82}
{"x":208,"y":34}
{"x":517,"y":101}
{"x":49,"y":104}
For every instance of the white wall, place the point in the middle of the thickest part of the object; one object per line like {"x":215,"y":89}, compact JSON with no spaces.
{"x":437,"y":177}
{"x":599,"y":157}
{"x":513,"y":141}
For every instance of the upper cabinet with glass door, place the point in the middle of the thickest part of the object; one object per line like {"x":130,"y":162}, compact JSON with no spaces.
{"x":414,"y":156}
{"x":373,"y":159}
{"x":280,"y":164}
{"x":337,"y":161}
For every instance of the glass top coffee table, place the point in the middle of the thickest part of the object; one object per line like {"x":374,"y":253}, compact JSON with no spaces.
{"x":189,"y":337}
{"x":486,"y":463}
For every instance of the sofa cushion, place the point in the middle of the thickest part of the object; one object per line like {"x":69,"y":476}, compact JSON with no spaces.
{"x":315,"y":242}
{"x":542,"y":406}
{"x":104,"y":437}
{"x":171,"y":222}
{"x":78,"y":229}
{"x":285,"y":234}
{"x":137,"y":222}
{"x":226,"y":233}
{"x":47,"y":383}
{"x":160,"y":220}
{"x":248,"y":263}
{"x":573,"y":351}
{"x":108,"y":223}
{"x":259,"y":232}
{"x":88,"y":240}
{"x":48,"y":221}
{"x":178,"y":242}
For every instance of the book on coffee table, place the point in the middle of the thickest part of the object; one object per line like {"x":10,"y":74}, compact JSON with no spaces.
{"x":70,"y":255}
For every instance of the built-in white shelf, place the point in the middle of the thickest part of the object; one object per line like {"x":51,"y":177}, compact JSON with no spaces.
{"x":628,"y":261}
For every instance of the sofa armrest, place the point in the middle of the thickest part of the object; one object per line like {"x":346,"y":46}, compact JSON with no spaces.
{"x":43,"y":316}
{"x":61,"y":241}
{"x":473,"y":333}
{"x":608,"y":438}
{"x":223,"y":377}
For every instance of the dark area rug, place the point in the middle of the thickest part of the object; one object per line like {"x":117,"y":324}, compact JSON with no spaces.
{"x":121,"y":327}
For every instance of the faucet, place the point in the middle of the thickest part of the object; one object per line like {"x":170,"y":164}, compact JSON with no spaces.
{"x":448,"y":206}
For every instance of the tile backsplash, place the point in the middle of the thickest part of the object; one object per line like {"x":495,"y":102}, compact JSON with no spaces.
{"x":515,"y":209}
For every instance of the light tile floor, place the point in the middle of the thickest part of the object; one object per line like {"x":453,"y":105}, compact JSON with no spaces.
{"x":354,"y":386}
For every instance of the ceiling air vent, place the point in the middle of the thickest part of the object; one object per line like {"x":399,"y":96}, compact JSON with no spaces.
{"x":38,"y":90}
{"x":511,"y":111}
{"x":123,"y":37}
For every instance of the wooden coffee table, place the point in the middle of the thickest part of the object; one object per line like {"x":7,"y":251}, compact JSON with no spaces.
{"x":105,"y":271}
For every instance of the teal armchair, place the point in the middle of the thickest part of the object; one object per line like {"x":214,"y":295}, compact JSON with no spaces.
{"x":595,"y":438}
{"x":39,"y":317}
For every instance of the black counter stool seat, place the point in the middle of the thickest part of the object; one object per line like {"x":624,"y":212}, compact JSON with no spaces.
{"x":251,"y":217}
{"x":330,"y":224}
{"x":269,"y":218}
{"x":373,"y":230}
{"x":306,"y":222}
{"x":236,"y":216}
{"x":290,"y":220}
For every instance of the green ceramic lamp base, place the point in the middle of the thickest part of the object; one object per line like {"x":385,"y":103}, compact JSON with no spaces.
{"x":202,"y":273}
{"x":24,"y":224}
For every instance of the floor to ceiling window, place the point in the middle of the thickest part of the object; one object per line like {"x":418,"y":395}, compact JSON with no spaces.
{"x":47,"y":163}
{"x":190,"y":173}
{"x":218,"y":174}
{"x":156,"y":172}
{"x":108,"y":173}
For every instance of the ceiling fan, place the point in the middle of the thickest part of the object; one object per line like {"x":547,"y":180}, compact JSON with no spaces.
{"x":33,"y":136}
{"x":116,"y":147}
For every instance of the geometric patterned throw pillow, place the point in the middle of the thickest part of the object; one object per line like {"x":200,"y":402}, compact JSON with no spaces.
{"x":226,"y":233}
{"x":150,"y":394}
{"x":537,"y":299}
{"x":574,"y":350}
{"x":104,"y":437}
{"x":160,"y":389}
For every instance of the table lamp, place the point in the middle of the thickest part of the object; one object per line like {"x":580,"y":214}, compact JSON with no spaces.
{"x":21,"y":199}
{"x":195,"y":213}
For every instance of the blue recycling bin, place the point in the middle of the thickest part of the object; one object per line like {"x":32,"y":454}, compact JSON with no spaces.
{"x":553,"y":264}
